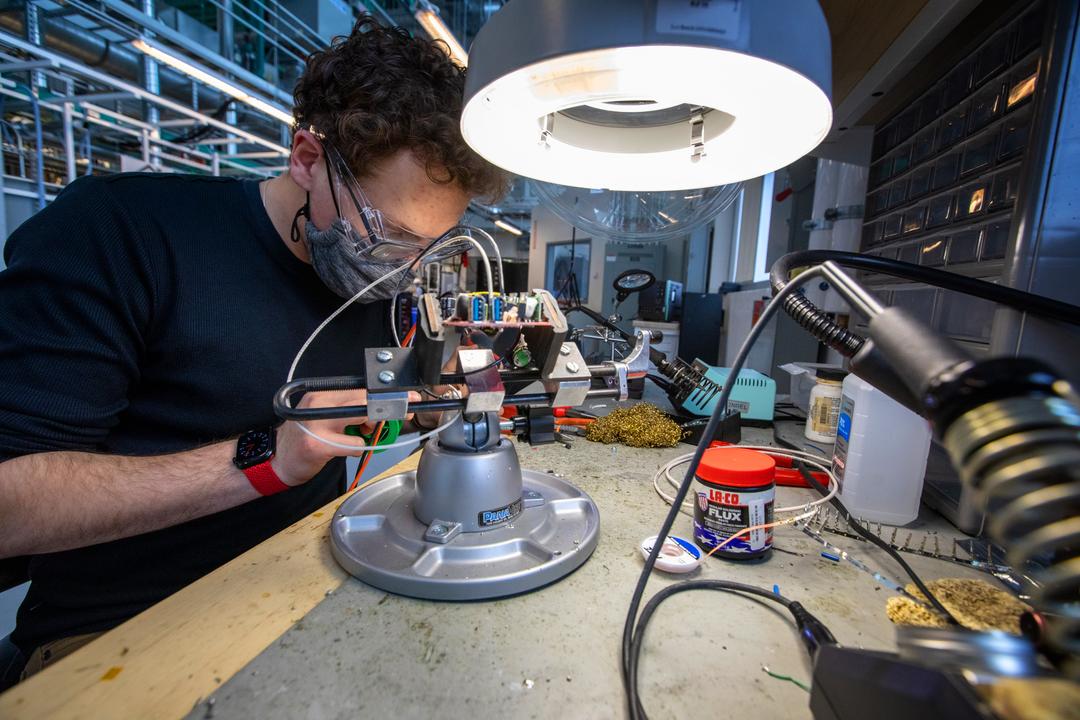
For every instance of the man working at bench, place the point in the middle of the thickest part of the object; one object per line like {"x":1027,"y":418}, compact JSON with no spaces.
{"x":146,"y":321}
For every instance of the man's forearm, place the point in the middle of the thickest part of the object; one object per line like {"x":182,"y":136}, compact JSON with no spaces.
{"x":62,"y":500}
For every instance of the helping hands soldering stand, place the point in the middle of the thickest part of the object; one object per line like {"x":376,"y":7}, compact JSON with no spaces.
{"x":469,"y":523}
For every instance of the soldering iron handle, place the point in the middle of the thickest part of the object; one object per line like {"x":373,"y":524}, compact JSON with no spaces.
{"x":812,"y":631}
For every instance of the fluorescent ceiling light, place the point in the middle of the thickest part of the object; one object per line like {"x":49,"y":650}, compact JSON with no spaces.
{"x":428,"y":16}
{"x":207,"y":77}
{"x":509,"y":227}
{"x":662,"y":95}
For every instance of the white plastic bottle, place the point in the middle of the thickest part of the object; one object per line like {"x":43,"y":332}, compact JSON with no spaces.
{"x":880,"y":455}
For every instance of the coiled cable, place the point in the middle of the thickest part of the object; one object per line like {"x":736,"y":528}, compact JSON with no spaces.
{"x":1022,"y":456}
{"x":821,"y":326}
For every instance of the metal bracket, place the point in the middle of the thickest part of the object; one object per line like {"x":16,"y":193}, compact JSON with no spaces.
{"x":390,"y":373}
{"x":546,"y":125}
{"x":391,"y":369}
{"x":531,"y":498}
{"x":388,"y":405}
{"x":697,"y":134}
{"x":486,"y":390}
{"x":847,"y":212}
{"x":442,"y":532}
{"x":619,"y":378}
{"x":637,"y":361}
{"x":634,"y":365}
{"x":570,"y":378}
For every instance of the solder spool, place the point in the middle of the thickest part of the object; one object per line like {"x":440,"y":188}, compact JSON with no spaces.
{"x":735,"y":489}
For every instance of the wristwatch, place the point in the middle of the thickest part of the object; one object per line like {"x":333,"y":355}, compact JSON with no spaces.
{"x":254,"y":451}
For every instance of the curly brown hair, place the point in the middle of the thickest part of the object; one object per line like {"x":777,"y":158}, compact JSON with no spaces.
{"x":379,"y":90}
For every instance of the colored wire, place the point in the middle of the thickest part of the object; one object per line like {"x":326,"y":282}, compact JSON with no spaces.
{"x":788,"y":678}
{"x":360,"y":470}
{"x":814,"y":460}
{"x":484,"y":257}
{"x":828,"y":495}
{"x":763,"y":526}
{"x":400,"y":443}
{"x":634,"y":650}
{"x":432,"y":247}
{"x":393,"y":321}
{"x":367,"y":456}
{"x":409,"y":337}
{"x":372,"y":481}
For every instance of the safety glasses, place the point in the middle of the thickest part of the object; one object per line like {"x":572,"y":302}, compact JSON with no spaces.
{"x":382,"y":240}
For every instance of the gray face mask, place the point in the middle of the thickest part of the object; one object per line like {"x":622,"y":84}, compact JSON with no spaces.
{"x":333,"y":255}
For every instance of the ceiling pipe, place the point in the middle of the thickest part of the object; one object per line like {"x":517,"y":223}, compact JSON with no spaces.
{"x":75,"y":42}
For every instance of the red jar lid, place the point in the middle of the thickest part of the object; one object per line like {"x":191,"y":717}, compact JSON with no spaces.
{"x":735,"y":466}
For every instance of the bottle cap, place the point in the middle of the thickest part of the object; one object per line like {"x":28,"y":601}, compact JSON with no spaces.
{"x":831,"y":374}
{"x":676,"y":556}
{"x":736,"y":466}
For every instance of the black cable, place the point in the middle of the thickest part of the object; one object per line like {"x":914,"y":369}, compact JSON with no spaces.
{"x":654,"y":603}
{"x":660,"y":382}
{"x":655,"y":356}
{"x":858,"y":527}
{"x":1004,"y":295}
{"x":812,"y":632}
{"x":629,"y":626}
{"x":821,"y":326}
{"x":599,"y":319}
{"x":490,"y":365}
{"x":195,"y":134}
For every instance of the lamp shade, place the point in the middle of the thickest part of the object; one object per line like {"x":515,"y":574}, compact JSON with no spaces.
{"x":648,"y":95}
{"x":627,"y":216}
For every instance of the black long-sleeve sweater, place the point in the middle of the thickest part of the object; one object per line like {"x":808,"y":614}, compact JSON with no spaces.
{"x":151,"y":314}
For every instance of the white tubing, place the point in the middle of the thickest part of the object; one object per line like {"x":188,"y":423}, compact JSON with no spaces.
{"x":330,"y":318}
{"x":810,"y":459}
{"x":341,"y":309}
{"x":400,"y":443}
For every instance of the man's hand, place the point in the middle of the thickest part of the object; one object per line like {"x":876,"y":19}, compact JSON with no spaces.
{"x":299,"y":456}
{"x":157,"y":491}
{"x":430,"y":420}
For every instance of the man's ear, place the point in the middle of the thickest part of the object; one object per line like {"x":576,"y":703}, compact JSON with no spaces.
{"x":305,"y":161}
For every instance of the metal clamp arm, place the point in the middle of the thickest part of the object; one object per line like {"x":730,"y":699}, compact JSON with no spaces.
{"x":635,"y":365}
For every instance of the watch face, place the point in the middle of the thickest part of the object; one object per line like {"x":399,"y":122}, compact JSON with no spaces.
{"x":254,"y":447}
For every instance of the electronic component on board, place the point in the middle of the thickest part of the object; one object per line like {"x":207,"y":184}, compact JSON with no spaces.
{"x":480,"y":307}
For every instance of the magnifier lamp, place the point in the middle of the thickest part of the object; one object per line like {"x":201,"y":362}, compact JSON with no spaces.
{"x":632,"y":281}
{"x":648,"y":95}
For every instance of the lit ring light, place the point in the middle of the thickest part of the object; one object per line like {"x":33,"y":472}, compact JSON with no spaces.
{"x":762,"y":117}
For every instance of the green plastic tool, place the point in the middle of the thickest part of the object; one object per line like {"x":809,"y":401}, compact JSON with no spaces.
{"x":390,"y":431}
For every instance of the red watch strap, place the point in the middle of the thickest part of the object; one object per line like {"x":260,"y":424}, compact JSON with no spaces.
{"x":263,"y":478}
